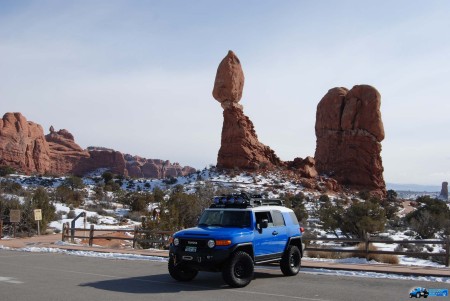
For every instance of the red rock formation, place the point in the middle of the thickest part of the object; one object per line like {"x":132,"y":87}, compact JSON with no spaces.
{"x":24,"y":147}
{"x":102,"y":158}
{"x":65,"y":154}
{"x":304,"y":167}
{"x":229,"y":82}
{"x":240,"y":146}
{"x":22,"y":144}
{"x":349,"y":132}
{"x":153,"y":168}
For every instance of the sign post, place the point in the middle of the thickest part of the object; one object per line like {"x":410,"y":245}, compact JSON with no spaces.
{"x":38,"y":218}
{"x":14,"y":217}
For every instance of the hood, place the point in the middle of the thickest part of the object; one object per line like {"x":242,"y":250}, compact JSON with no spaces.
{"x":213,"y":231}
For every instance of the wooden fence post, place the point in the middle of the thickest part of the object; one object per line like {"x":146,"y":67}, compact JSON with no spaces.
{"x":91,"y":236}
{"x":447,"y":251}
{"x":366,"y":246}
{"x":135,"y":237}
{"x":63,"y":238}
{"x":67,"y":230}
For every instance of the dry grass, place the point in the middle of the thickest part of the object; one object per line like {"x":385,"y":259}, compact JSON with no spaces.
{"x":384,"y":258}
{"x":327,"y":255}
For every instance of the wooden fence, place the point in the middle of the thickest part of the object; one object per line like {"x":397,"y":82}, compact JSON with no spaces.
{"x":367,"y":241}
{"x":151,"y":237}
{"x":161,"y":239}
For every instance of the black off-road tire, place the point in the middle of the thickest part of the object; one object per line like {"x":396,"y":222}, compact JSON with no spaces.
{"x":181,"y":273}
{"x":238,"y":270}
{"x":291,"y":260}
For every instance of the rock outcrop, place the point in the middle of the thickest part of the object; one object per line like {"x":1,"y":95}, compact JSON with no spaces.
{"x":240,"y":147}
{"x":304,"y":167}
{"x":444,"y":191}
{"x":24,"y":147}
{"x":65,"y":154}
{"x":349,"y":132}
{"x":22,"y":144}
{"x":153,"y":168}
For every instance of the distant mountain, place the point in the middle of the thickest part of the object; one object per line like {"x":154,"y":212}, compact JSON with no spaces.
{"x":413,"y":187}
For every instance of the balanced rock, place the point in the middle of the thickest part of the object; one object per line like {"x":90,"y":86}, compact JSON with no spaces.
{"x":349,"y":132}
{"x":229,"y":82}
{"x":240,"y":147}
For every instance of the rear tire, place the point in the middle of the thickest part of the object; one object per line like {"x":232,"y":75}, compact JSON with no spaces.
{"x":181,"y":273}
{"x":290,"y":262}
{"x":238,"y":270}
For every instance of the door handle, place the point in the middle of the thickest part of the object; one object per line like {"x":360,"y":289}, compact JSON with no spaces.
{"x":274,"y":233}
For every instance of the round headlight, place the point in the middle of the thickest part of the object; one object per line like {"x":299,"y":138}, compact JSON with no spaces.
{"x":176,"y":241}
{"x":211,"y":243}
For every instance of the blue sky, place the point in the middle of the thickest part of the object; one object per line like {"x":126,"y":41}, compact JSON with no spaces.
{"x":137,"y":76}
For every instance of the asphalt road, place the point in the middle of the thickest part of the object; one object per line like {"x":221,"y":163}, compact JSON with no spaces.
{"x":46,"y":276}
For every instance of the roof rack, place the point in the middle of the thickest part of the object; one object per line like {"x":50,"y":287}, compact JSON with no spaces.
{"x":243,"y":200}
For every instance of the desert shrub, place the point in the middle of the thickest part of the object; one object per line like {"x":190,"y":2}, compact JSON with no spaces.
{"x":331,"y":216}
{"x":73,"y":182}
{"x":11,"y":187}
{"x":6,"y":170}
{"x":41,"y":200}
{"x":170,"y":180}
{"x":363,"y":217}
{"x":59,"y":215}
{"x":439,"y":259}
{"x":431,"y":218}
{"x":92,"y":219}
{"x":134,"y":216}
{"x":71,"y":214}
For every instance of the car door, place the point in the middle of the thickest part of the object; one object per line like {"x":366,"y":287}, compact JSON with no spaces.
{"x":269,"y":242}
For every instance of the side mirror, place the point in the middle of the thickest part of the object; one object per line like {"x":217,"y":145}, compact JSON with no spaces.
{"x":264,"y":224}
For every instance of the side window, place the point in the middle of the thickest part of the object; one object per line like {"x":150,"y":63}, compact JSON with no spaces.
{"x":264,"y":215}
{"x":278,"y":219}
{"x":293,"y":218}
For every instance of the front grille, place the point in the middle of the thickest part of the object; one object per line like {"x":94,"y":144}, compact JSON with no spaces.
{"x":199,"y":243}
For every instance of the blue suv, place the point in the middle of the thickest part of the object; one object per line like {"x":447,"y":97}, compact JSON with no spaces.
{"x":234,"y":234}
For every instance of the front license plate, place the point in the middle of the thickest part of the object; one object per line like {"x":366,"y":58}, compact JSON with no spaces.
{"x":190,"y":249}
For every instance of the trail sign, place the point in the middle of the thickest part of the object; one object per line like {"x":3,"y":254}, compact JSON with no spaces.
{"x":37,"y":214}
{"x":14,"y":216}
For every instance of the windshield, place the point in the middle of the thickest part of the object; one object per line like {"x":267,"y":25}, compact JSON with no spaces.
{"x":225,"y":218}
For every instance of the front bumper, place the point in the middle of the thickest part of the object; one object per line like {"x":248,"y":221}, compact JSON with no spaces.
{"x":202,"y":260}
